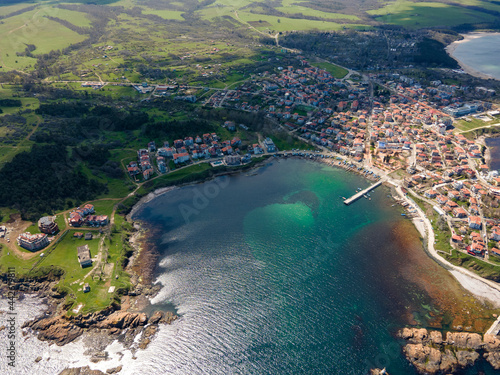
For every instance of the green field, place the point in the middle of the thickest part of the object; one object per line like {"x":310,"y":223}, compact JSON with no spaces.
{"x":294,"y":7}
{"x":427,"y":14}
{"x":474,"y":123}
{"x":32,"y":28}
{"x":166,"y":14}
{"x":76,"y":18}
{"x":334,"y":70}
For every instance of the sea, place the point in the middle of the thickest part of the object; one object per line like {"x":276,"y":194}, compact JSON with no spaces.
{"x":270,"y":273}
{"x":481,"y":52}
{"x":493,"y":144}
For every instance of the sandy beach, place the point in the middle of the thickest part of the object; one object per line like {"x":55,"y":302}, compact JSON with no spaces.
{"x":450,"y":49}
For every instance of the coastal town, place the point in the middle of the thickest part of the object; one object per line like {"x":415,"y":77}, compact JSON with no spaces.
{"x":387,"y":127}
{"x":406,"y":135}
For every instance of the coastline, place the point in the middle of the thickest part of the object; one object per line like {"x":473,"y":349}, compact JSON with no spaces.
{"x":450,"y":49}
{"x":471,"y":282}
{"x":475,"y":284}
{"x":477,"y":287}
{"x":487,"y":153}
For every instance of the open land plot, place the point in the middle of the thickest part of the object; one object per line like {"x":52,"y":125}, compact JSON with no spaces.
{"x":76,"y":18}
{"x":5,"y":10}
{"x":294,"y":7}
{"x":165,"y":14}
{"x":27,"y":103}
{"x":471,"y":124}
{"x":10,"y":259}
{"x":7,"y":153}
{"x":417,"y":15}
{"x":287,"y":24}
{"x":117,"y":187}
{"x":334,"y":70}
{"x":32,"y":28}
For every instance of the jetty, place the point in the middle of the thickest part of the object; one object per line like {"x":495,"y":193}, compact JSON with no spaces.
{"x":495,"y":328}
{"x":359,"y":194}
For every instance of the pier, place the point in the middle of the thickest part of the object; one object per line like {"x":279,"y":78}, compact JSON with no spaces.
{"x":356,"y":196}
{"x":495,"y":328}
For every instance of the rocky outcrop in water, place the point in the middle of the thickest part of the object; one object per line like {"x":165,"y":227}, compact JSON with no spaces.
{"x":64,"y":329}
{"x":431,"y":354}
{"x":377,"y":371}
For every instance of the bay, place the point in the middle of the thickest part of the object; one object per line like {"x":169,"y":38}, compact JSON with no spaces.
{"x":478,"y":53}
{"x":272,"y":274}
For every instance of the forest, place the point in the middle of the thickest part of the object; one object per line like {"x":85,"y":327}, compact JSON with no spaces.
{"x":42,"y":181}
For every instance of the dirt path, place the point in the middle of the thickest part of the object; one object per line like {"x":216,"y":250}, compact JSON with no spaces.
{"x":14,"y":229}
{"x":275,"y":36}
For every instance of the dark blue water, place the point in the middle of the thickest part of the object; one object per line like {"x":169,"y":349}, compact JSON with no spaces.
{"x":493,"y":145}
{"x":272,"y":274}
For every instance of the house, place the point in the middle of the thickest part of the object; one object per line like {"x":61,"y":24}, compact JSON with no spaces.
{"x":166,"y":152}
{"x":257,"y":149}
{"x":32,"y":242}
{"x":147,"y":173}
{"x":181,"y":158}
{"x":441,"y":199}
{"x":230,"y":125}
{"x":269,"y":145}
{"x":78,"y":235}
{"x":75,"y":219}
{"x":431,"y":193}
{"x":232,"y":160}
{"x":88,"y":209}
{"x":474,"y":222}
{"x":84,"y":256}
{"x":96,"y":220}
{"x":86,"y":288}
{"x":48,"y":225}
{"x":495,"y":234}
{"x":88,"y":236}
{"x":495,"y":251}
{"x":459,"y":212}
{"x":451,"y":204}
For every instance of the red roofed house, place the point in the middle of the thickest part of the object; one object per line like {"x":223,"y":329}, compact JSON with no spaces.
{"x":475,"y":222}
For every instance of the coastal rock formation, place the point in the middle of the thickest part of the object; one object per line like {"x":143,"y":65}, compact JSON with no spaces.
{"x":430,"y":354}
{"x":428,"y":359}
{"x":64,"y":329}
{"x":464,"y":340}
{"x":81,"y":371}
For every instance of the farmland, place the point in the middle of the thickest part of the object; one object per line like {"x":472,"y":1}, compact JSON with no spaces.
{"x":427,"y":14}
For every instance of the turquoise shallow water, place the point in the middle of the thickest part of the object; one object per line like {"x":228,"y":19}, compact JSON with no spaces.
{"x":272,"y":274}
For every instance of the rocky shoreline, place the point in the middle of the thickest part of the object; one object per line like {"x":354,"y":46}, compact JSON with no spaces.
{"x":63,"y":329}
{"x":430,"y":353}
{"x":122,"y":321}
